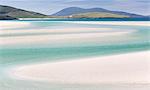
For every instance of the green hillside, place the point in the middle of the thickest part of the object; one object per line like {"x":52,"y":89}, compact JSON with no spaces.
{"x":19,"y":13}
{"x":98,"y":15}
{"x":5,"y":17}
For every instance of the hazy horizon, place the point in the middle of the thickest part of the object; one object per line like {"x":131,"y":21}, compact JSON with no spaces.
{"x":52,"y":6}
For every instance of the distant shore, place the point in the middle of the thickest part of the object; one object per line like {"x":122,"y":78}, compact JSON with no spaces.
{"x":38,"y":18}
{"x":85,"y":19}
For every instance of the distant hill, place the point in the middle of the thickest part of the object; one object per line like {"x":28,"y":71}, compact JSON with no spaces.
{"x":11,"y":13}
{"x":5,"y":17}
{"x":76,"y":10}
{"x":98,"y":15}
{"x":19,"y":13}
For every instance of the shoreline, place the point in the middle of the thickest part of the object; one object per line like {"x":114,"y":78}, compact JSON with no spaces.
{"x":125,"y":68}
{"x":12,"y":24}
{"x":128,"y":23}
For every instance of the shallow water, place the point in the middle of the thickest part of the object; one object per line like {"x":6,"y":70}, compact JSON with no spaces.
{"x":87,"y":40}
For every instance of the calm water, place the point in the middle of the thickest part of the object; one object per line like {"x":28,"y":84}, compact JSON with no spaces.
{"x":63,"y":43}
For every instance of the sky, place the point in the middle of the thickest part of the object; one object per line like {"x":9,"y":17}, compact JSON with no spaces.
{"x":51,"y":6}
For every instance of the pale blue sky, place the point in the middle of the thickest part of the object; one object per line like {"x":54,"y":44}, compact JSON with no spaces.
{"x":52,"y":6}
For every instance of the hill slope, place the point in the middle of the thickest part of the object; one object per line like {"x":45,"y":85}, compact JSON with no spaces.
{"x":76,"y":10}
{"x":98,"y":15}
{"x":5,"y":17}
{"x":18,"y":13}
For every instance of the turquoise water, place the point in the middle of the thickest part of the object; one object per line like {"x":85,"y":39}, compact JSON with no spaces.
{"x":71,"y":47}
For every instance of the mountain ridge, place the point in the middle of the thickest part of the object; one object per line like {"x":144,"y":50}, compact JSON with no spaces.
{"x":77,"y":10}
{"x":9,"y":13}
{"x":18,"y":13}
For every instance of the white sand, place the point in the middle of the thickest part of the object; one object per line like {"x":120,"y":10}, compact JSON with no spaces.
{"x":12,"y":24}
{"x":57,"y":31}
{"x":128,"y":23}
{"x":81,"y":35}
{"x":124,"y":68}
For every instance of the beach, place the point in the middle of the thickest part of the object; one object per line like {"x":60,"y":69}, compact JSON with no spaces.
{"x":132,"y":68}
{"x":12,"y":24}
{"x":48,"y":35}
{"x":131,"y":23}
{"x":74,"y":54}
